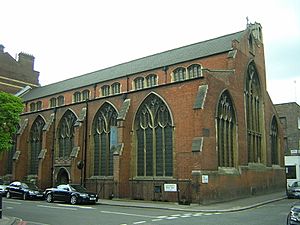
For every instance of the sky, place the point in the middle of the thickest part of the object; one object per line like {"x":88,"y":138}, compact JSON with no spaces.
{"x":69,"y":38}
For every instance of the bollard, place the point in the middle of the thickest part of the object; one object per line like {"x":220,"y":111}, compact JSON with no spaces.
{"x":0,"y":206}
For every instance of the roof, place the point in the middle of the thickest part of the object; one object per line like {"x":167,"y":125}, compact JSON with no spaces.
{"x":167,"y":58}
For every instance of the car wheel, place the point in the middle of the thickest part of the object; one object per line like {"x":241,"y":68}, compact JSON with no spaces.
{"x":25,"y":196}
{"x":8,"y":195}
{"x":49,"y":198}
{"x":73,"y":200}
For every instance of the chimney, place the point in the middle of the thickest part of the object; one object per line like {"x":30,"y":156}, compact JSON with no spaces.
{"x":26,"y":60}
{"x":1,"y":48}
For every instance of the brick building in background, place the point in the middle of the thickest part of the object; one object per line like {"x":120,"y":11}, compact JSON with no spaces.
{"x":196,"y":119}
{"x":17,"y":74}
{"x":289,"y":115}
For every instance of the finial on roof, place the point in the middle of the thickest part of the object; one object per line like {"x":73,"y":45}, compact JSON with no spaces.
{"x":247,"y":22}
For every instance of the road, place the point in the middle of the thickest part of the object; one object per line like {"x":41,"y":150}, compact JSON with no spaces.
{"x":43,"y":213}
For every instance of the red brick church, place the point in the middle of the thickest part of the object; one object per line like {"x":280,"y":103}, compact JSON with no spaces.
{"x":192,"y":124}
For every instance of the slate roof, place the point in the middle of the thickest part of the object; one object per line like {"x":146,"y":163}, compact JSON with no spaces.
{"x":171,"y":57}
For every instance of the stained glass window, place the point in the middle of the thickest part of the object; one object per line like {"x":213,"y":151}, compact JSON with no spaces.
{"x":36,"y":139}
{"x":154,"y":138}
{"x":105,"y":118}
{"x":253,"y":114}
{"x":226,"y":131}
{"x":66,"y":134}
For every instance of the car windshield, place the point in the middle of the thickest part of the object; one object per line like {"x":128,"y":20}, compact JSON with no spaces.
{"x":29,"y":186}
{"x":78,"y":188}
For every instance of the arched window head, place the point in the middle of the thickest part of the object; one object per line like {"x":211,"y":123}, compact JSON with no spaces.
{"x":154,"y":139}
{"x":226,"y":131}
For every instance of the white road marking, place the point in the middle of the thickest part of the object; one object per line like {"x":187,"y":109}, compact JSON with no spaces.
{"x":11,"y":202}
{"x":9,"y":207}
{"x":76,"y":206}
{"x":171,"y":218}
{"x":56,"y":207}
{"x":139,"y":222}
{"x":156,"y":220}
{"x":127,"y":214}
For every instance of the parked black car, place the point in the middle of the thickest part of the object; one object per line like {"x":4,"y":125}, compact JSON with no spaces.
{"x":24,"y":190}
{"x":293,"y":217}
{"x":293,"y":190}
{"x":3,"y":189}
{"x":72,"y":193}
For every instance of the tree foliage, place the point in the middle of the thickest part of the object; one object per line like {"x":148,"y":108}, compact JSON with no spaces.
{"x":10,"y":110}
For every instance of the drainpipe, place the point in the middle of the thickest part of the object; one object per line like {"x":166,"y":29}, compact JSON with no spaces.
{"x":85,"y":141}
{"x":53,"y":147}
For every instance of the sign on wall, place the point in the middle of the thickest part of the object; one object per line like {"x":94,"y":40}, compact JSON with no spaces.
{"x":170,"y":187}
{"x":204,"y":179}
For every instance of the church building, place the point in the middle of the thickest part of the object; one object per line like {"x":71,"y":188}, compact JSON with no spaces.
{"x":192,"y":124}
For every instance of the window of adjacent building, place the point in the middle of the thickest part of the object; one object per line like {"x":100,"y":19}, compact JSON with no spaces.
{"x":105,"y":90}
{"x":139,"y":83}
{"x":226,"y":131}
{"x":154,"y":139}
{"x":253,"y":114}
{"x":86,"y":95}
{"x":151,"y":80}
{"x":61,"y":100}
{"x":299,"y":123}
{"x":115,"y":88}
{"x":194,"y":70}
{"x":274,"y":141}
{"x":105,"y":118}
{"x":290,"y":172}
{"x":77,"y":97}
{"x":36,"y":139}
{"x":32,"y":107}
{"x":179,"y":74}
{"x":39,"y":105}
{"x":66,"y":134}
{"x":52,"y":102}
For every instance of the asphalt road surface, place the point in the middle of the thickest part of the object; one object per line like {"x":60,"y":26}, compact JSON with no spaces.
{"x":43,"y":213}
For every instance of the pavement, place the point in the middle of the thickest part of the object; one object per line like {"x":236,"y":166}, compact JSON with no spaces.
{"x":228,"y":206}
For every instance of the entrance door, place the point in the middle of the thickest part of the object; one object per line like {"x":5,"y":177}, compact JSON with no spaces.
{"x":62,"y":176}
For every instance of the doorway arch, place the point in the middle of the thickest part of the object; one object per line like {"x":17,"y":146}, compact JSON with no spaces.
{"x":62,"y":176}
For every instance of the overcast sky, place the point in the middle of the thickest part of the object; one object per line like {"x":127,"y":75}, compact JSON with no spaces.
{"x":70,"y":38}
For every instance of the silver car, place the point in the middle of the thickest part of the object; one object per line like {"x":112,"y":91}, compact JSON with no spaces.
{"x":293,"y":190}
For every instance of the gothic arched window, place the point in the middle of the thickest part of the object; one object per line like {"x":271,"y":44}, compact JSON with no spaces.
{"x":66,"y":134}
{"x":253,"y":114}
{"x":154,"y":138}
{"x":36,"y":139}
{"x":274,"y":141}
{"x":226,"y":131}
{"x":105,"y":118}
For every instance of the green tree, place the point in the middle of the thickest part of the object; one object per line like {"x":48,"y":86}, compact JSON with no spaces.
{"x":10,"y":110}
